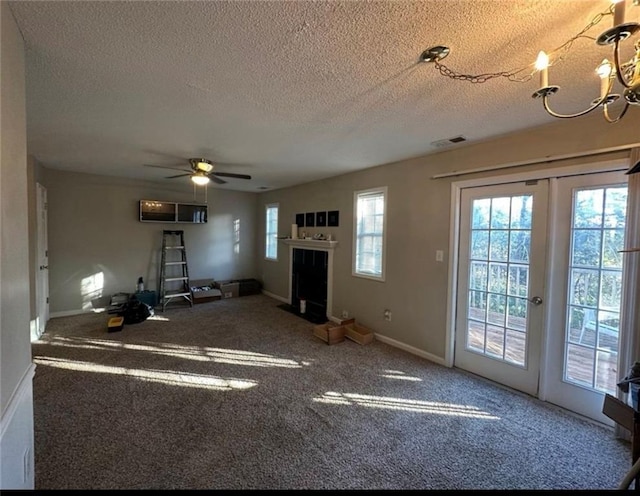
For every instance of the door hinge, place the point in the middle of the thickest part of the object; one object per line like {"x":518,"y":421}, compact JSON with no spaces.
{"x":46,"y":253}
{"x":47,"y":299}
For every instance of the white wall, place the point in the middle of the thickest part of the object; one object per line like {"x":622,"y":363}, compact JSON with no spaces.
{"x":418,"y":224}
{"x":16,"y":370}
{"x":95,"y":235}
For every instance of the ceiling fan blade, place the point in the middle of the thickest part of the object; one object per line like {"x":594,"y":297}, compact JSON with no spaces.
{"x":178,"y":175}
{"x":216,"y":179}
{"x":230,"y":174}
{"x":167,"y":167}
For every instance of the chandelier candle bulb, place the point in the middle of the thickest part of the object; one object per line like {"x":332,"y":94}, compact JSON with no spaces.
{"x":618,"y":13}
{"x":542,"y":64}
{"x":604,"y":70}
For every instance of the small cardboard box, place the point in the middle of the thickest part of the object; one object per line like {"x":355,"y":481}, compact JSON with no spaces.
{"x":115,"y":324}
{"x":358,"y":333}
{"x":329,"y":332}
{"x":204,"y":290}
{"x":229,"y":289}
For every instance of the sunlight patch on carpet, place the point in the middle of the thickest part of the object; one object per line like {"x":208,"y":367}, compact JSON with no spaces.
{"x":196,"y":353}
{"x":170,"y":378}
{"x":397,"y":374}
{"x":331,"y":397}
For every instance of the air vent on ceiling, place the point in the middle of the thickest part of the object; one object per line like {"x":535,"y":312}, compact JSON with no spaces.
{"x":449,"y":141}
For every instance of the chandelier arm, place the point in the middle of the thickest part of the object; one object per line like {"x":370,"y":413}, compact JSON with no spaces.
{"x":616,"y":58}
{"x":620,"y":116}
{"x":545,"y":102}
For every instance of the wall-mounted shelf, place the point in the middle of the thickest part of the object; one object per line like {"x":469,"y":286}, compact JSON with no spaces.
{"x":172,"y":212}
{"x":310,"y":243}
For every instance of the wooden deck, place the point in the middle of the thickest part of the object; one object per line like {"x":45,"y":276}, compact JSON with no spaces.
{"x":588,"y":365}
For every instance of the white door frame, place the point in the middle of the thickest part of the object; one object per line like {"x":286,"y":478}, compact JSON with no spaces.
{"x":454,"y":222}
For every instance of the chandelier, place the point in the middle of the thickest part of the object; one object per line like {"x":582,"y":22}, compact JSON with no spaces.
{"x":626,"y":73}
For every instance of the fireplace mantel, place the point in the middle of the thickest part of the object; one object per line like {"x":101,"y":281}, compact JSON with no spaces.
{"x":310,"y":244}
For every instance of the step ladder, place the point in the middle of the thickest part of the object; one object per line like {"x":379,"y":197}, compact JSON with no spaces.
{"x":174,"y":270}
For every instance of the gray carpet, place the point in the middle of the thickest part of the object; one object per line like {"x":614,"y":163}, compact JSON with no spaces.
{"x":238,"y":394}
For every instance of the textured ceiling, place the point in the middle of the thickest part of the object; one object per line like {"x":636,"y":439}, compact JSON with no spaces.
{"x":288,"y":92}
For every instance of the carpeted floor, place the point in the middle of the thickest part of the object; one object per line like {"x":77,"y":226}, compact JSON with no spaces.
{"x":238,"y":394}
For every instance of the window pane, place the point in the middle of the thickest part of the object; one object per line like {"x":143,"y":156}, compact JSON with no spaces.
{"x":500,"y":213}
{"x":499,"y":246}
{"x":271,"y":230}
{"x":480,"y":245}
{"x":369,"y":233}
{"x":481,"y":213}
{"x":521,"y":208}
{"x":519,"y":242}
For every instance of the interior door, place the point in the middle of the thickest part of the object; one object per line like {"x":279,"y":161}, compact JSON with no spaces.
{"x":586,"y":284}
{"x":501,"y":282}
{"x":42,"y":262}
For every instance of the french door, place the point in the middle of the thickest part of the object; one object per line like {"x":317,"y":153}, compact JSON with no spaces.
{"x":539,"y":287}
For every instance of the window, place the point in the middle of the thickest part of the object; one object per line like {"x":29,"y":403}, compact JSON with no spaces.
{"x":271,"y":240}
{"x":369,"y":234}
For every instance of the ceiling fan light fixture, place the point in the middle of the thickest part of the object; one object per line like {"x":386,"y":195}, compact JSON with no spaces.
{"x":200,"y":179}
{"x":201,"y":164}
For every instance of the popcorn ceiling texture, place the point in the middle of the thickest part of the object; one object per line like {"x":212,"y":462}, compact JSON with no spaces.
{"x":288,"y":92}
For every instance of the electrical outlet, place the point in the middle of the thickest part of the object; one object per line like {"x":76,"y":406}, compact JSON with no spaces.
{"x":439,"y":255}
{"x":387,"y":315}
{"x":345,"y":314}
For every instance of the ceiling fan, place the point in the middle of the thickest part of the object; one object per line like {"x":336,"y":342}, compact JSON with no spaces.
{"x":201,"y":171}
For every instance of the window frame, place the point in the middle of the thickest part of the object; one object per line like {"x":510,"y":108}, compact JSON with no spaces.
{"x":268,"y":207}
{"x":383,"y":190}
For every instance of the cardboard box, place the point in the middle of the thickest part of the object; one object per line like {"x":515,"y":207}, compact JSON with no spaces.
{"x":358,"y":333}
{"x":229,"y":289}
{"x":115,"y":324}
{"x":204,"y":290}
{"x":329,"y":332}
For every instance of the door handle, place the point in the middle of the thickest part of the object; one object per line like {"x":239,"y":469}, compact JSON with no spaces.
{"x":536,"y":300}
{"x":42,"y":267}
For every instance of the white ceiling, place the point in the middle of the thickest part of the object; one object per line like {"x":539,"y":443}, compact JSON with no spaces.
{"x":287,"y":91}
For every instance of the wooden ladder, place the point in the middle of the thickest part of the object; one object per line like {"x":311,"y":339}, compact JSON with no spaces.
{"x":174,"y":270}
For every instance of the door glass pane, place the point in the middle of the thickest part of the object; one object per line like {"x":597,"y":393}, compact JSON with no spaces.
{"x":595,"y":288}
{"x":499,"y":277}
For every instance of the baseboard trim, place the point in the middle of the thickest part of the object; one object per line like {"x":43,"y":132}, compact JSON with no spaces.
{"x":24,"y":387}
{"x":402,"y":346}
{"x":69,"y":313}
{"x":411,"y":349}
{"x":275,"y":296}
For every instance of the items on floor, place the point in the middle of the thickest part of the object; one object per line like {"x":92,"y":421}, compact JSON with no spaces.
{"x":204,"y":290}
{"x":129,"y":310}
{"x":332,"y":332}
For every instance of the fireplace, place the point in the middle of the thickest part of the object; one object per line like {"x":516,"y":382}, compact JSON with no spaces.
{"x":309,"y":274}
{"x":311,"y":278}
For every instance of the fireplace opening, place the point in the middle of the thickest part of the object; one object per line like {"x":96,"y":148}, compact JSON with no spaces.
{"x":309,"y":282}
